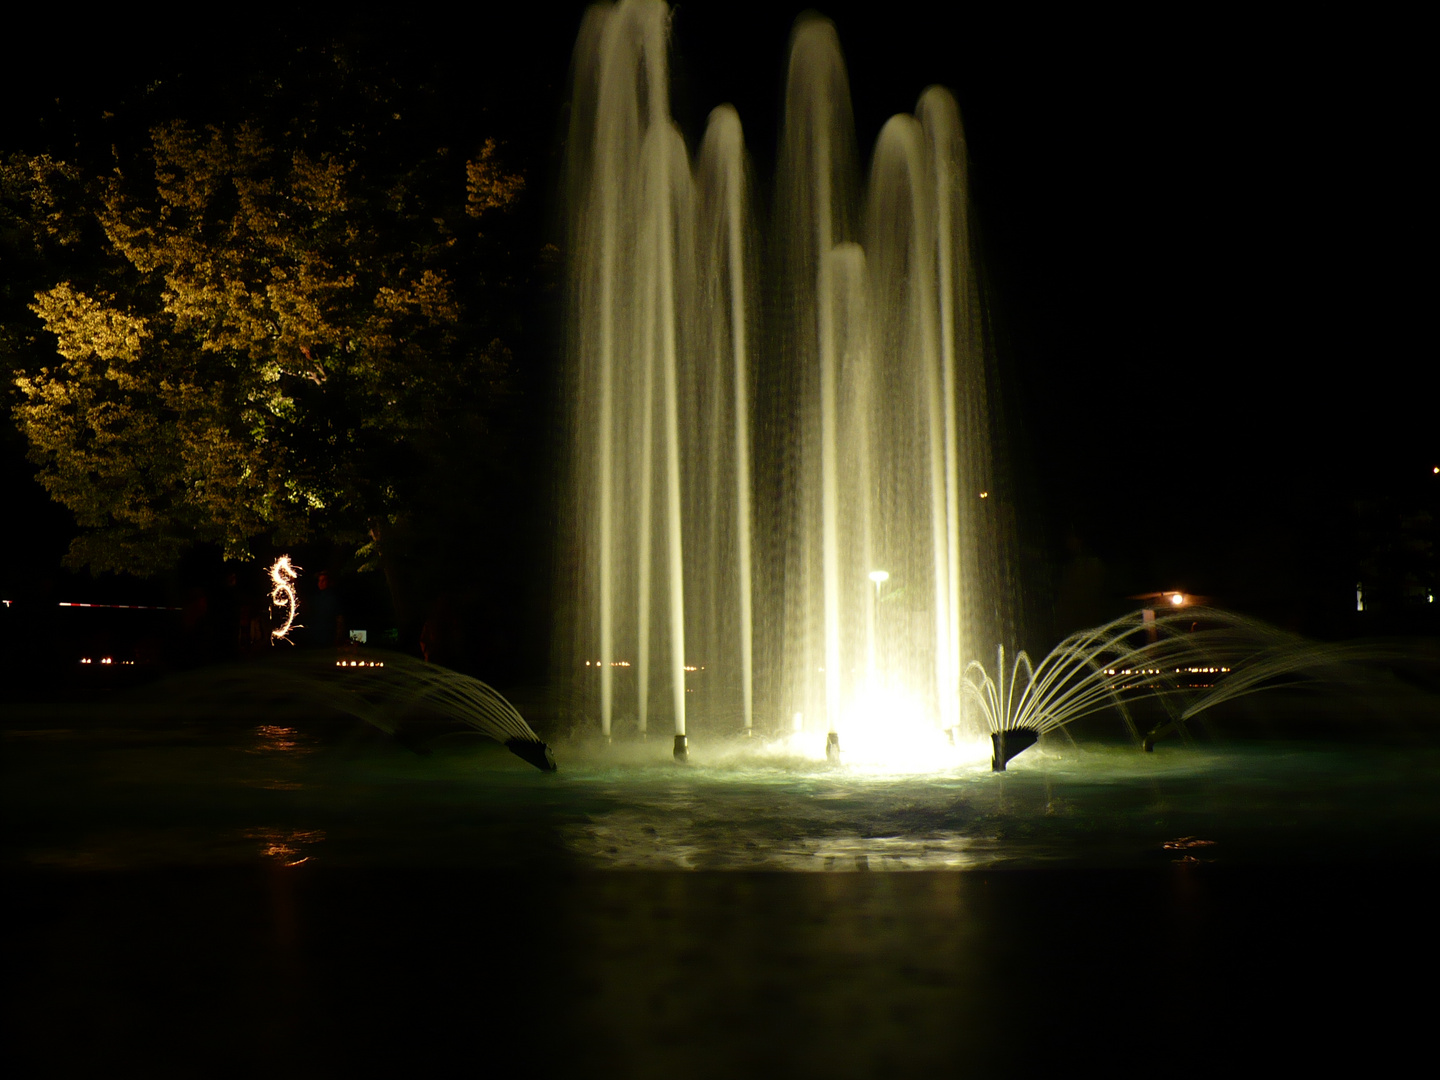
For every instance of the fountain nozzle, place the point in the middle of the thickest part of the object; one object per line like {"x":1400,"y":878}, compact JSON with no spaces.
{"x":1006,"y":744}
{"x":832,"y":748}
{"x":682,"y":749}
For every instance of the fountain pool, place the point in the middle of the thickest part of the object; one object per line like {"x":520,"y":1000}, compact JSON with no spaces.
{"x":304,"y":890}
{"x":131,"y":792}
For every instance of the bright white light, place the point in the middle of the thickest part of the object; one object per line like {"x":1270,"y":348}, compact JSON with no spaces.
{"x":877,"y":576}
{"x":1177,"y":598}
{"x":890,"y":729}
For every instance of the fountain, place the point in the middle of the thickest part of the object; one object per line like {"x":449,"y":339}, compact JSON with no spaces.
{"x":836,"y":434}
{"x":789,"y":500}
{"x":1186,"y":662}
{"x":411,"y":701}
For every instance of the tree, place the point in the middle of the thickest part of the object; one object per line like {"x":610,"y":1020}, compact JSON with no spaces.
{"x":264,"y":338}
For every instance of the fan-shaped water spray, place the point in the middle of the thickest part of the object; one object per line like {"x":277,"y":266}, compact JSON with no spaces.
{"x":1188,"y":662}
{"x":388,"y":694}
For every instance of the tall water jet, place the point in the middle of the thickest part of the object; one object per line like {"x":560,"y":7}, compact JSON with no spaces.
{"x":815,"y":212}
{"x":726,"y":279}
{"x":836,"y":434}
{"x":634,"y":199}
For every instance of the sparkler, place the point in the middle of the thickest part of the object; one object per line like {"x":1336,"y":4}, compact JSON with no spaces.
{"x":282,"y":595}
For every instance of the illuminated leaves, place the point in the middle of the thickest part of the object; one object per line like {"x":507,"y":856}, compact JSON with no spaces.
{"x":267,"y":339}
{"x":488,"y":186}
{"x":85,"y":328}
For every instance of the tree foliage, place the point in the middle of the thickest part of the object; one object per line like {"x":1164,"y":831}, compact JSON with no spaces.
{"x":258,"y":332}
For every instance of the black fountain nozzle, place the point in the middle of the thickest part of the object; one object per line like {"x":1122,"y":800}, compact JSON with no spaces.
{"x":832,"y":748}
{"x":682,"y":749}
{"x":535,"y":752}
{"x":1006,"y":744}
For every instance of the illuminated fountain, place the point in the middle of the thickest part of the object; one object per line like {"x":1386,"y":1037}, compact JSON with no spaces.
{"x":412,"y":701}
{"x":1187,"y":661}
{"x":837,"y":427}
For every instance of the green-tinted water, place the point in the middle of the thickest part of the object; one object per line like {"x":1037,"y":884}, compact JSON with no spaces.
{"x":304,"y":897}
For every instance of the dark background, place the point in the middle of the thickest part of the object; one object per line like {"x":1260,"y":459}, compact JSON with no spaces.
{"x":1203,"y":235}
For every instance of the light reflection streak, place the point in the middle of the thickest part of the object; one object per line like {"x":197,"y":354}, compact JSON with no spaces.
{"x":286,"y":846}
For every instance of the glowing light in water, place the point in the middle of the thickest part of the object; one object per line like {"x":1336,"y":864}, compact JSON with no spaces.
{"x":282,"y":594}
{"x":893,"y":729}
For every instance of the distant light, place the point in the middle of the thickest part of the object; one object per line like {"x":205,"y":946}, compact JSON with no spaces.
{"x":1177,"y":598}
{"x":1436,"y":470}
{"x":877,"y":576}
{"x":120,"y":607}
{"x":984,"y":494}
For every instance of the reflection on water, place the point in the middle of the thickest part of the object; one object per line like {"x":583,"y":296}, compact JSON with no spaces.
{"x":275,"y":739}
{"x":126,"y":793}
{"x":288,"y":847}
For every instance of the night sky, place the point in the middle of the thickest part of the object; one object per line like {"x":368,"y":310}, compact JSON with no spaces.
{"x":1203,"y":234}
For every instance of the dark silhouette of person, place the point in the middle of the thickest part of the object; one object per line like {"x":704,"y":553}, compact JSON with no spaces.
{"x":224,"y":619}
{"x":322,"y":615}
{"x":442,"y":638}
